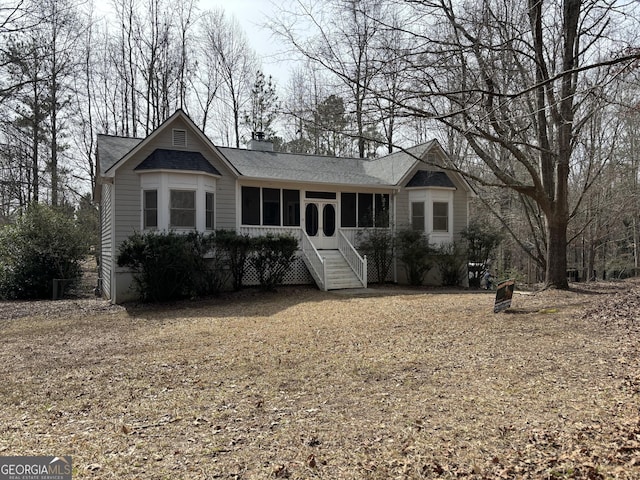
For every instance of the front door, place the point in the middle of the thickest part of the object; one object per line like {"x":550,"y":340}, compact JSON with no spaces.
{"x":320,"y":224}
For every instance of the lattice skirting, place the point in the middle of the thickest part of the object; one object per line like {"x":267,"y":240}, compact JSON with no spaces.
{"x":298,"y":274}
{"x":372,"y":273}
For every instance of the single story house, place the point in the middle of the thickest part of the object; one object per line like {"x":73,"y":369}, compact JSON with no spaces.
{"x":177,"y":179}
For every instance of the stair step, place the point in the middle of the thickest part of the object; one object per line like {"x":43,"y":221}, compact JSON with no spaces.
{"x":339,"y":273}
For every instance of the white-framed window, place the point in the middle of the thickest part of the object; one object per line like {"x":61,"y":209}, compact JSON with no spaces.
{"x":417,"y":216}
{"x":431,"y":211}
{"x":150,"y":209}
{"x":180,"y":201}
{"x":182,"y":209}
{"x":209,"y":211}
{"x":440,"y":216}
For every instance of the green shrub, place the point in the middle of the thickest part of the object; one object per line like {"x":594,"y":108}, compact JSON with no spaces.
{"x":481,"y":241}
{"x":272,"y":257}
{"x":378,"y":245}
{"x":168,"y":266}
{"x":450,"y":259}
{"x":44,"y":244}
{"x":416,"y":255}
{"x":237,"y":249}
{"x":160,"y":264}
{"x":208,"y":264}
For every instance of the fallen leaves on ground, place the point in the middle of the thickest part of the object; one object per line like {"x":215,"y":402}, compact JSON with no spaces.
{"x":306,"y":384}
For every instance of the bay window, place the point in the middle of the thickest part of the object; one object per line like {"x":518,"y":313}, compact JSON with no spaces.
{"x":182,"y":210}
{"x":177,"y":201}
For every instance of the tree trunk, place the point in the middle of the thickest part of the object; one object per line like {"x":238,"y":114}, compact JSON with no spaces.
{"x":556,"y":268}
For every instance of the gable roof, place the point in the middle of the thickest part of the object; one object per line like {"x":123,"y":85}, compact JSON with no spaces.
{"x":389,"y":171}
{"x":179,"y":114}
{"x":430,"y":178}
{"x":162,"y":159}
{"x":112,"y":148}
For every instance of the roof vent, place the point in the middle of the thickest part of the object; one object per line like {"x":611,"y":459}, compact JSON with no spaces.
{"x":179,"y":138}
{"x":258,"y":142}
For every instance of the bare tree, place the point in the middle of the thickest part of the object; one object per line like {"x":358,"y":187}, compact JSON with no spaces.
{"x":227,"y":44}
{"x":511,"y":78}
{"x":341,"y":37}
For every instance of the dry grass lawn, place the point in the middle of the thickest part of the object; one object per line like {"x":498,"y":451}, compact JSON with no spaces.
{"x":305,"y":384}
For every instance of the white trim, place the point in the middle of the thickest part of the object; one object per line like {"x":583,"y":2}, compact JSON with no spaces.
{"x":451,"y":189}
{"x":172,"y":171}
{"x":164,"y":182}
{"x":428,"y":196}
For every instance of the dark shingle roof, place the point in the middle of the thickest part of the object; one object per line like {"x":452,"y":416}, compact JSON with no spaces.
{"x":387,"y":170}
{"x":162,"y":159}
{"x":427,"y":178}
{"x":112,"y":148}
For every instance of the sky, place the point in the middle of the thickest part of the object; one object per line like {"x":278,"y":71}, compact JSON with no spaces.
{"x":252,"y":14}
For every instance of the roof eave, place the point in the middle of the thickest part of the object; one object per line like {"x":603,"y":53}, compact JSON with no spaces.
{"x":311,"y":182}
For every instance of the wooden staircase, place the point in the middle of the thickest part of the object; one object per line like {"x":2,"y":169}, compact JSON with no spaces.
{"x":339,"y":273}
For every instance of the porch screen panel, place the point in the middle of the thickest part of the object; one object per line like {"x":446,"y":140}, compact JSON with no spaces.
{"x":271,"y":206}
{"x":348,"y":210}
{"x":250,"y":206}
{"x":382,"y":210}
{"x":365,"y":209}
{"x":291,"y":208}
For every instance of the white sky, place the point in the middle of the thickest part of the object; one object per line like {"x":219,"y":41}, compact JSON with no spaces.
{"x":252,"y":14}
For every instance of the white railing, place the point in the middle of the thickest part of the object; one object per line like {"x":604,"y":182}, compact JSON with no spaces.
{"x":316,"y":264}
{"x":357,"y":263}
{"x":255,"y":231}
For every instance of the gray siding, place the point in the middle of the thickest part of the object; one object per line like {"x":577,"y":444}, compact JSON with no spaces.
{"x":128,"y":205}
{"x":106,"y":256}
{"x":460,"y":212}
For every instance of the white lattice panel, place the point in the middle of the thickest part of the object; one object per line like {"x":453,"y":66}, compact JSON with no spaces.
{"x":296,"y":275}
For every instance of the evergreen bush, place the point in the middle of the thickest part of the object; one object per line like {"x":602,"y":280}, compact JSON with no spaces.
{"x":44,"y":244}
{"x":237,"y":249}
{"x":450,"y":258}
{"x":272,"y":257}
{"x":415,"y":254}
{"x":378,"y":244}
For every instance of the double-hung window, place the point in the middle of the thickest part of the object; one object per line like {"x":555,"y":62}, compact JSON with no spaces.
{"x":150,"y":208}
{"x":209,"y":220}
{"x":440,"y":216}
{"x":182,"y":211}
{"x":417,"y":216}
